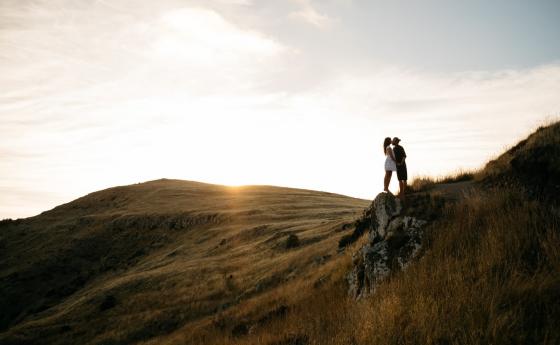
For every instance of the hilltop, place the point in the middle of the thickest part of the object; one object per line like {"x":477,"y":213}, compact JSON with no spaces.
{"x":180,"y":262}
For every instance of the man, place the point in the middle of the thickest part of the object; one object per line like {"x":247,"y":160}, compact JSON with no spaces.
{"x":400,"y":159}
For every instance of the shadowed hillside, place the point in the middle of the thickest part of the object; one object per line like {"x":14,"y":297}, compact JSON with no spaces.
{"x":533,"y":164}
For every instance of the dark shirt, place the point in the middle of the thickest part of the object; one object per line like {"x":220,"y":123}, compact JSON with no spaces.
{"x":398,"y":150}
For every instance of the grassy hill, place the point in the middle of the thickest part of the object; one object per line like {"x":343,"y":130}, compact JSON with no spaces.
{"x":177,"y":262}
{"x":533,"y":165}
{"x":131,"y":263}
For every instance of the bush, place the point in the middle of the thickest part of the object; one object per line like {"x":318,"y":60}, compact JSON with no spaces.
{"x":292,"y":241}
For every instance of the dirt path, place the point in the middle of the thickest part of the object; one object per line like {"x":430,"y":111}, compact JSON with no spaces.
{"x":454,"y":191}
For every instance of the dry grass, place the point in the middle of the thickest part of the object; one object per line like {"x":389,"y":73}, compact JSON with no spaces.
{"x":542,"y":146}
{"x":490,"y":275}
{"x":304,"y":300}
{"x":115,"y":267}
{"x":425,"y":183}
{"x":128,"y":245}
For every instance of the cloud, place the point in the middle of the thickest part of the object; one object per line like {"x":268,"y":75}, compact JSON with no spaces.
{"x":96,"y":61}
{"x":21,"y":202}
{"x":236,"y":2}
{"x":309,"y":14}
{"x":202,"y":36}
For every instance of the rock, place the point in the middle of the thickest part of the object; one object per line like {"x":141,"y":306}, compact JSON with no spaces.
{"x":181,"y":221}
{"x":373,"y":220}
{"x":393,"y":240}
{"x":385,"y":208}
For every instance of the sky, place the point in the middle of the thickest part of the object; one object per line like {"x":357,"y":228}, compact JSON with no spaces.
{"x":296,"y":93}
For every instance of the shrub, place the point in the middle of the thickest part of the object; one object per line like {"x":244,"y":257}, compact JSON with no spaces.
{"x":292,"y":241}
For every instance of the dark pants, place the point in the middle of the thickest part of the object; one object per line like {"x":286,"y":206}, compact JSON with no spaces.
{"x":402,"y":174}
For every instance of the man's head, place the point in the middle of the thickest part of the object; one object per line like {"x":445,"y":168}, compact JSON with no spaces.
{"x":396,"y":141}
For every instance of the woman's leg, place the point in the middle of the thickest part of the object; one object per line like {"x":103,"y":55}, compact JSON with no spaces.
{"x":387,"y":180}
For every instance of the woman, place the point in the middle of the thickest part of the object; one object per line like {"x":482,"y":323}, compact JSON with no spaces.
{"x":390,"y":163}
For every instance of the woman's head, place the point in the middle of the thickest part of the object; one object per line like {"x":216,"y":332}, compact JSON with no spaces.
{"x":386,"y":143}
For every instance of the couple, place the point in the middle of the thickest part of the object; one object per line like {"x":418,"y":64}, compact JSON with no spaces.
{"x":395,"y":161}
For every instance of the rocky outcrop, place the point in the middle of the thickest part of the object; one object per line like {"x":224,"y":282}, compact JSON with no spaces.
{"x":393,"y":240}
{"x":164,"y":221}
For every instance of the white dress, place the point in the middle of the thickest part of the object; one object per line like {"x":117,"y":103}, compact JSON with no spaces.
{"x":390,"y":164}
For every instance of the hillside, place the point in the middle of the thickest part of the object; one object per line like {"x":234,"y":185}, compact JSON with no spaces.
{"x":131,"y":263}
{"x":532,"y":164}
{"x":178,"y":262}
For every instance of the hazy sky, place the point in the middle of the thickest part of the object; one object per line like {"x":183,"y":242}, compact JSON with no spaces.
{"x":294,"y":93}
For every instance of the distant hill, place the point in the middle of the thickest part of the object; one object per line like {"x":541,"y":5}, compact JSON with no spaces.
{"x":135,"y":262}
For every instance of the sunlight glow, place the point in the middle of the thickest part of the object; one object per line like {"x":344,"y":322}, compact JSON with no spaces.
{"x":98,"y":95}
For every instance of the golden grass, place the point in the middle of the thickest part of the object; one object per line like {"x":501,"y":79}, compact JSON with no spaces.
{"x":490,"y":274}
{"x":182,"y":277}
{"x":486,"y":278}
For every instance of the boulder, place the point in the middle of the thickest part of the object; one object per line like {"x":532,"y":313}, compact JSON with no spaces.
{"x":384,"y":208}
{"x":374,"y":219}
{"x":393,"y":240}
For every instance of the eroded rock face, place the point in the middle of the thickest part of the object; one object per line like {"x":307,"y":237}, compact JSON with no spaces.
{"x":384,"y":208}
{"x":393,"y":240}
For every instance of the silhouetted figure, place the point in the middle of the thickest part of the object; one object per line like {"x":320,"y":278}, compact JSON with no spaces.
{"x":390,"y":164}
{"x":400,"y":159}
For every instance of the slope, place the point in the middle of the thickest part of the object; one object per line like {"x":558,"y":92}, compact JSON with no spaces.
{"x":488,"y":273}
{"x":131,"y":263}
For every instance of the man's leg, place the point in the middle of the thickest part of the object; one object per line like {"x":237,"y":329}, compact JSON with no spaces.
{"x":402,"y":188}
{"x":402,"y":175}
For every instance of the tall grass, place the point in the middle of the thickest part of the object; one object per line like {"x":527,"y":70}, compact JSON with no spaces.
{"x":490,"y":274}
{"x":424,"y":183}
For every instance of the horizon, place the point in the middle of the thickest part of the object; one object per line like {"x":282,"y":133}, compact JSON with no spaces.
{"x":295,"y":94}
